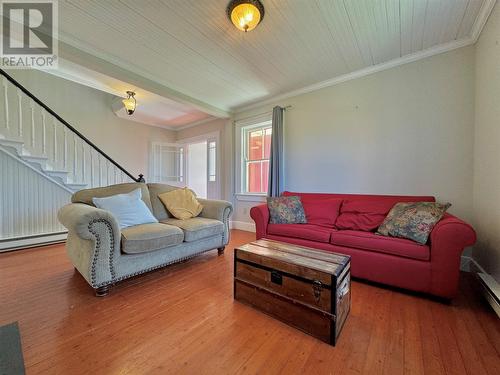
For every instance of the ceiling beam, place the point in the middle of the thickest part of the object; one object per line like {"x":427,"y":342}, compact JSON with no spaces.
{"x":102,"y":66}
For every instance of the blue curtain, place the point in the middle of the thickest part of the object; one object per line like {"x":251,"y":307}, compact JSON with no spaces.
{"x":276,"y":172}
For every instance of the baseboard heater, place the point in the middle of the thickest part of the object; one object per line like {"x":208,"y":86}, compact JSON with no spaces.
{"x":491,"y":290}
{"x":10,"y":244}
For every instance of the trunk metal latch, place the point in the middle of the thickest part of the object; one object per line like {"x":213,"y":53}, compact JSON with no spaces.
{"x":317,"y":288}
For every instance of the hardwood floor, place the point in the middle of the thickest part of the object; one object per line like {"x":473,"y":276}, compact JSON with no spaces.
{"x":183,"y":320}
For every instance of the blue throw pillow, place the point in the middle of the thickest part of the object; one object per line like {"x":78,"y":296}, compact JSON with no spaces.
{"x":128,"y":209}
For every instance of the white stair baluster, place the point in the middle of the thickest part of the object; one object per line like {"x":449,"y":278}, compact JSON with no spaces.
{"x":75,"y":157}
{"x":32,"y":110}
{"x":83,"y":162}
{"x":107,"y":172}
{"x":99,"y":169}
{"x":115,"y":179}
{"x":44,"y":134}
{"x":55,"y":141}
{"x":65,"y":149}
{"x":91,"y":168}
{"x":20,"y":110}
{"x":6,"y":103}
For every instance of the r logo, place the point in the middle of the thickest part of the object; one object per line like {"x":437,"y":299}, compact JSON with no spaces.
{"x":29,"y":31}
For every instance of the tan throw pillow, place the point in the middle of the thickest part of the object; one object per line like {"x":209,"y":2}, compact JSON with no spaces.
{"x":181,"y":203}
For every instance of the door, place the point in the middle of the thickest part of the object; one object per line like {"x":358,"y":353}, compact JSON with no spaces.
{"x":167,"y":164}
{"x":213,"y":183}
{"x":195,"y":164}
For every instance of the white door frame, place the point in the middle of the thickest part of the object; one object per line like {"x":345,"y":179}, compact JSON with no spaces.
{"x":205,"y":138}
{"x":153,"y":166}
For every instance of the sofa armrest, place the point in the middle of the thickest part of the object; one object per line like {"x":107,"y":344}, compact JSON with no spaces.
{"x":93,"y":241}
{"x":448,"y":239}
{"x":260,"y":214}
{"x":218,"y":210}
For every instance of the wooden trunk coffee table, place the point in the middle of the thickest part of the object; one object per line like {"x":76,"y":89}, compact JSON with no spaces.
{"x":306,"y":288}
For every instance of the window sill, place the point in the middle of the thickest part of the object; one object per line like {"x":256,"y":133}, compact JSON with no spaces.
{"x":251,"y":197}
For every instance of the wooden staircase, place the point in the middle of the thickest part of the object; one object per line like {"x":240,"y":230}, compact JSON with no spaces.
{"x":39,"y":140}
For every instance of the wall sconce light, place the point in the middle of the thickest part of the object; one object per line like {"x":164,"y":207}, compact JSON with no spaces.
{"x":130,"y":103}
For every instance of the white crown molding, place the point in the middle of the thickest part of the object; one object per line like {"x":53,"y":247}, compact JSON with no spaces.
{"x":361,"y":73}
{"x":196,"y":123}
{"x":478,"y":26}
{"x":481,"y":19}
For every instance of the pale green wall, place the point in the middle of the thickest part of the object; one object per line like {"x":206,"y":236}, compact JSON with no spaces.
{"x":406,"y":130}
{"x":487,"y":147}
{"x":89,"y":111}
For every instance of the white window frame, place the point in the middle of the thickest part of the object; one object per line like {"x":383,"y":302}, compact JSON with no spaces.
{"x":241,"y":128}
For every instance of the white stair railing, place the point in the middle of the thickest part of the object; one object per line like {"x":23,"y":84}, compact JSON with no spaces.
{"x":31,"y":132}
{"x":35,"y":135}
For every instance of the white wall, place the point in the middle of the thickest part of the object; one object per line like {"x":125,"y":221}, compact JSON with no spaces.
{"x":89,"y":111}
{"x":487,"y":147}
{"x":24,"y":210}
{"x":406,"y":130}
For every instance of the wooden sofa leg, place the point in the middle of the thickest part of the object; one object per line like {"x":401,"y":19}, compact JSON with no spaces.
{"x":220,"y":250}
{"x":103,"y":291}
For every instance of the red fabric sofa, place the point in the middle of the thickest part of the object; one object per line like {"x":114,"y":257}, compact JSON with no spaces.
{"x":346,"y":223}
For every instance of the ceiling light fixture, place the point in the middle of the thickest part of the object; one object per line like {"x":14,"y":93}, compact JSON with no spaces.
{"x":245,"y":14}
{"x":130,"y":103}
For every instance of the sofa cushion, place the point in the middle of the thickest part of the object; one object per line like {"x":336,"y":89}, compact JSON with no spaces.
{"x":197,"y":228}
{"x":304,"y":231}
{"x":128,"y":209}
{"x":86,"y":195}
{"x":381,"y":244}
{"x":366,"y":214}
{"x":286,"y":210}
{"x":149,"y":237}
{"x":413,"y":221}
{"x":181,"y":203}
{"x":321,"y":211}
{"x":159,"y":209}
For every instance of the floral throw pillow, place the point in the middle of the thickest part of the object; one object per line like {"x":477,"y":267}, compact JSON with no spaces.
{"x":286,"y":210}
{"x":413,"y":220}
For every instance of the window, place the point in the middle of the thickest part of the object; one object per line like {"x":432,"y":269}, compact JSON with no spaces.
{"x":256,"y":141}
{"x":212,"y":160}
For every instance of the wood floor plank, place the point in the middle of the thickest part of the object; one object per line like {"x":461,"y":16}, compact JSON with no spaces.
{"x":183,"y":320}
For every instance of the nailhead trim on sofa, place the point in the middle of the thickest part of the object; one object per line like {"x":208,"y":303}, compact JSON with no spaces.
{"x":97,"y":250}
{"x":114,"y":279}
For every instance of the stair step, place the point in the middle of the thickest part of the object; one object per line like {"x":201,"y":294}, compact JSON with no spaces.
{"x":60,"y":175}
{"x":34,"y":158}
{"x":76,"y":187}
{"x":37,"y":161}
{"x":13,"y":143}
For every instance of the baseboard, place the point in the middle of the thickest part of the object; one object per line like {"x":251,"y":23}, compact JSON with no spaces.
{"x":469,"y":264}
{"x":34,"y":241}
{"x":242,"y":225}
{"x":489,"y":286}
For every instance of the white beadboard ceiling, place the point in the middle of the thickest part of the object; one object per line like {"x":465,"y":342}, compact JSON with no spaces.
{"x":191,"y":47}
